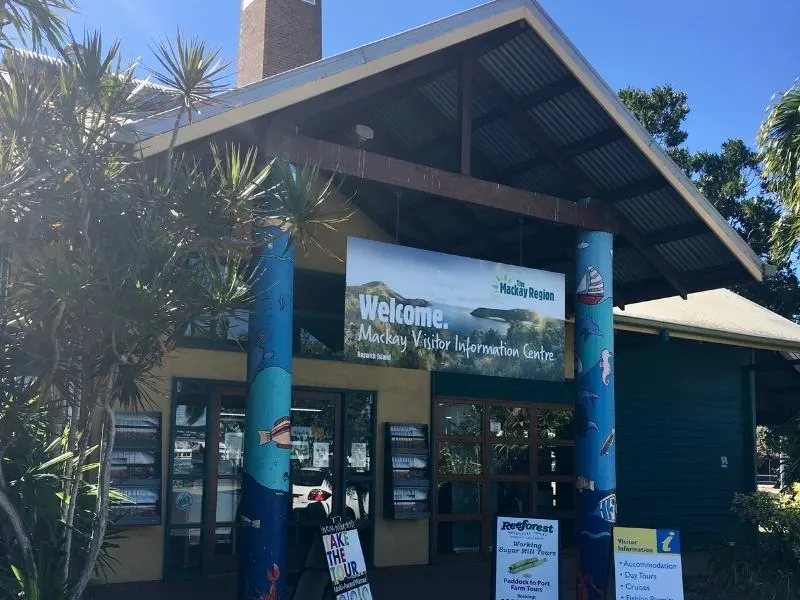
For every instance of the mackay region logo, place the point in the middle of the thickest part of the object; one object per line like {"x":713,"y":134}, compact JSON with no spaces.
{"x":511,"y":286}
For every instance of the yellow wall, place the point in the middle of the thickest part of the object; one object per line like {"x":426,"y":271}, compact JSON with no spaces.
{"x":331,"y":260}
{"x":141,"y":554}
{"x":402,"y":396}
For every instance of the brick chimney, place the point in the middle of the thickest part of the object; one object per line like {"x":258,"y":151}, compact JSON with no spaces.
{"x":276,"y":36}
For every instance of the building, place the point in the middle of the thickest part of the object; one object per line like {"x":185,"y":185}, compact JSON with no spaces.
{"x":482,"y":136}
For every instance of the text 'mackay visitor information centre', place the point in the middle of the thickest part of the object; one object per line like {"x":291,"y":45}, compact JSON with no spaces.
{"x":525,"y":314}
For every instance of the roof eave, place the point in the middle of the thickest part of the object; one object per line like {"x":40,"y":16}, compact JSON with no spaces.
{"x":599,"y":89}
{"x":274,"y":93}
{"x":264,"y":97}
{"x":640,"y":324}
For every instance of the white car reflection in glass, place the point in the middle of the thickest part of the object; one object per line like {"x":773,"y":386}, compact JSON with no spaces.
{"x":311,"y":486}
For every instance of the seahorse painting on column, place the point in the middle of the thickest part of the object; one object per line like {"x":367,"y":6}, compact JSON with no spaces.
{"x":594,"y":410}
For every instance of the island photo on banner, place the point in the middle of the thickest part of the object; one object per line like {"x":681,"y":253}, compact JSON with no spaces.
{"x":418,"y":309}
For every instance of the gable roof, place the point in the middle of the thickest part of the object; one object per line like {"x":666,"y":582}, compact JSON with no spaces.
{"x":631,"y":160}
{"x":715,"y":315}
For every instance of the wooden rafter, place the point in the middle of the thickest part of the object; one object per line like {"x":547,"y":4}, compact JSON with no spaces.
{"x":703,"y":279}
{"x":580,"y":147}
{"x":465,"y":115}
{"x":538,"y":135}
{"x":353,"y":162}
{"x":638,"y":188}
{"x":548,"y":92}
{"x":664,"y":235}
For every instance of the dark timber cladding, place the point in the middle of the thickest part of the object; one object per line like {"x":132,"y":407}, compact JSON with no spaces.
{"x":391,"y":171}
{"x":689,"y":421}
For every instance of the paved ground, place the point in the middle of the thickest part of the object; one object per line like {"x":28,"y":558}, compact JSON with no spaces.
{"x":462,"y":582}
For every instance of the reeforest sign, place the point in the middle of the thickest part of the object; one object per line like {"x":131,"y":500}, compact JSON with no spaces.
{"x":525,"y":559}
{"x":424,"y":310}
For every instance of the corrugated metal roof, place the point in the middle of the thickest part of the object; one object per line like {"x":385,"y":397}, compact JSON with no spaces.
{"x":614,"y":166}
{"x":720,"y":313}
{"x":545,"y":178}
{"x":571,"y":117}
{"x":630,"y":267}
{"x":539,"y":56}
{"x":695,"y":253}
{"x":524,"y":65}
{"x":656,"y":210}
{"x":402,"y":121}
{"x":503,"y":144}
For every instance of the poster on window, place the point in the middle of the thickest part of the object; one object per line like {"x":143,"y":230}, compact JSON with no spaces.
{"x":525,"y":559}
{"x":358,"y":455}
{"x":346,"y":565}
{"x":300,"y":451}
{"x":417,"y":309}
{"x":320,"y":458}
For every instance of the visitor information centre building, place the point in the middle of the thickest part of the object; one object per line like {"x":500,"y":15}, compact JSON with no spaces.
{"x":524,"y":315}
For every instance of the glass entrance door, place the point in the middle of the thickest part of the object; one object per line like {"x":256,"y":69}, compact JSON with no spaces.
{"x":331,"y":474}
{"x":226,"y":445}
{"x":498,"y":458}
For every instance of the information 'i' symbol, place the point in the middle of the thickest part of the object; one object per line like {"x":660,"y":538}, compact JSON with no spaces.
{"x":665,"y":545}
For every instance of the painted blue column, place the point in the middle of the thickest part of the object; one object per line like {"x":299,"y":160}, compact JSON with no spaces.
{"x":264,"y":507}
{"x":594,"y":412}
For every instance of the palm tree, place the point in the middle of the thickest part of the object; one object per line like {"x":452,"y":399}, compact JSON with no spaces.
{"x":779,"y":142}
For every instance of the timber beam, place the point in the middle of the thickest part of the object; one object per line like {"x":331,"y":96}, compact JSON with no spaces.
{"x":695,"y":281}
{"x":353,"y":162}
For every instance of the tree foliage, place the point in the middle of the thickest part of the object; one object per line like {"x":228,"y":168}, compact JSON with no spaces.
{"x":779,"y":142}
{"x":112,"y":258}
{"x":733,"y":179}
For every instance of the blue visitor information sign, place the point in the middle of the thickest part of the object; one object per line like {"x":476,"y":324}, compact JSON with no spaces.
{"x":417,"y":309}
{"x":525,"y":559}
{"x":647,"y":564}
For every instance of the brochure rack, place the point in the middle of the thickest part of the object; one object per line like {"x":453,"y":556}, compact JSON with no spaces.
{"x":407,"y":476}
{"x":136,"y":469}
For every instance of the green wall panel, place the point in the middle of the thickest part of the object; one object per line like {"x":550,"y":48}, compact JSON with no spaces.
{"x":681,"y":407}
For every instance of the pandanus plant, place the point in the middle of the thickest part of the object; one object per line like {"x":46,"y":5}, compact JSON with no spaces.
{"x":112,"y":257}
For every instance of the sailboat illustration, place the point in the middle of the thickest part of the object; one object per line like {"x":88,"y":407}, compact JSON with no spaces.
{"x":591,"y":288}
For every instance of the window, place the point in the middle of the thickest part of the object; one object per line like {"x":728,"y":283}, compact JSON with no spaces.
{"x":318,"y":319}
{"x":496,"y":457}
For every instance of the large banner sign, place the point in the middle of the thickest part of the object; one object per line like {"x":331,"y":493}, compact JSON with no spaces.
{"x":647,"y":564}
{"x":424,"y":310}
{"x":525,"y":559}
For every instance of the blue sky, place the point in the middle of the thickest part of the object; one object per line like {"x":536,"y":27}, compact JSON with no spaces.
{"x":730,"y":56}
